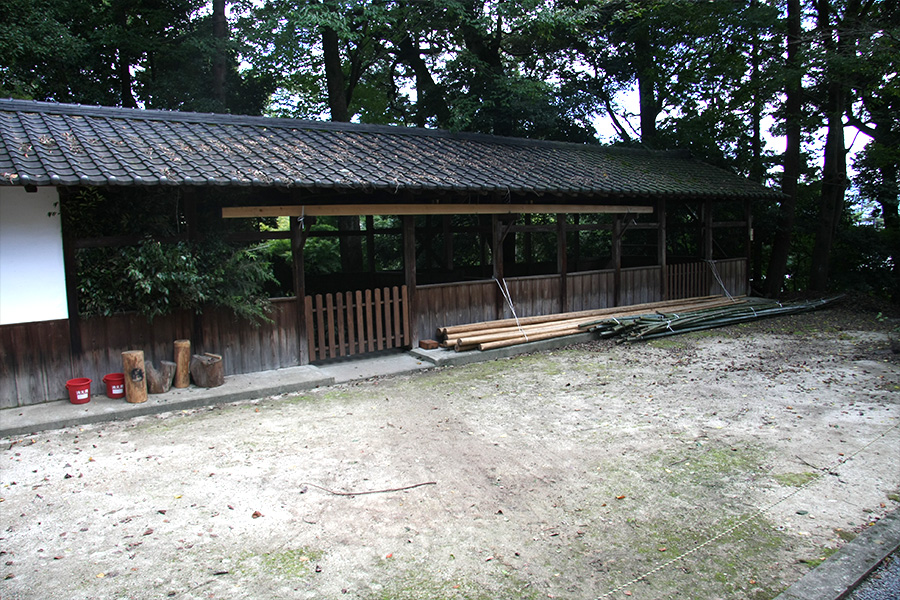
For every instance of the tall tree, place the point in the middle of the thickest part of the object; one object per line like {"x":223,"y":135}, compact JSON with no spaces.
{"x":126,"y":53}
{"x":790,"y":178}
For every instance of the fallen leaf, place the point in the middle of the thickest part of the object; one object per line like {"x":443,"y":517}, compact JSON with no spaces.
{"x":256,"y":514}
{"x":148,"y":532}
{"x":620,"y":497}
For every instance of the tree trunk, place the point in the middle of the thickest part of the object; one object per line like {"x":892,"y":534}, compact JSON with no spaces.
{"x":791,"y":176}
{"x":208,"y":370}
{"x":834,"y":183}
{"x":159,"y":382}
{"x":649,"y":108}
{"x":834,"y":169}
{"x":220,"y":33}
{"x":182,"y":363}
{"x":431,"y":101}
{"x":338,"y":102}
{"x":135,"y":377}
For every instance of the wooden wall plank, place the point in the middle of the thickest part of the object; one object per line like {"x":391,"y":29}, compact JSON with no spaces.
{"x":341,"y":328}
{"x":370,"y":327}
{"x":398,"y":324}
{"x":360,"y":321}
{"x":404,"y":298}
{"x":351,"y":325}
{"x":320,"y":327}
{"x":376,"y":315}
{"x":329,"y":324}
{"x":310,"y":329}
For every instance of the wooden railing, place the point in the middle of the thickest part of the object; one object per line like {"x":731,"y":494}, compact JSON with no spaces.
{"x":349,"y":323}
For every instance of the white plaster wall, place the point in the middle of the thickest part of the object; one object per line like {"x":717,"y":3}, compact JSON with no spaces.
{"x":32,"y":271}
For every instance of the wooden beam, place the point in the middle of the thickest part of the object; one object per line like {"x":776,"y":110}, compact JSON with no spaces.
{"x":341,"y":210}
{"x":409,"y":277}
{"x":299,"y":232}
{"x":562,"y":262}
{"x":662,"y":256}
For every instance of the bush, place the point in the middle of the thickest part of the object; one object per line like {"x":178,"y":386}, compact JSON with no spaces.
{"x":156,"y":279}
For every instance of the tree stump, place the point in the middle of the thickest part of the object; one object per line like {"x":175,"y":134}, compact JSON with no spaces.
{"x":159,"y":382}
{"x":135,"y":379}
{"x":182,"y":363}
{"x":208,"y":370}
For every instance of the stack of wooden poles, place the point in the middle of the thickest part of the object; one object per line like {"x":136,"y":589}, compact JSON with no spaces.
{"x":489,"y":335}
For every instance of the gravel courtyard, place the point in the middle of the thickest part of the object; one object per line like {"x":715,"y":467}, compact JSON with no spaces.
{"x":720,"y":464}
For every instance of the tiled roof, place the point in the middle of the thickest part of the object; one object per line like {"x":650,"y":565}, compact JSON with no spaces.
{"x":60,"y":144}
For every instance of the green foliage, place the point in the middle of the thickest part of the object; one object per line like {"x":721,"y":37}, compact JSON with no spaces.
{"x":156,"y":279}
{"x":122,"y":53}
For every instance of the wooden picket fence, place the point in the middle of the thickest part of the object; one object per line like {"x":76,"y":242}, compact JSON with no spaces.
{"x":357,"y":322}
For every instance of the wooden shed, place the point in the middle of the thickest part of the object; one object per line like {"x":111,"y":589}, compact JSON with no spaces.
{"x":670,"y":226}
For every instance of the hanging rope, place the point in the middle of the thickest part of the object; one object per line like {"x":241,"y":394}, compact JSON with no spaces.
{"x":504,"y":289}
{"x":715,"y":272}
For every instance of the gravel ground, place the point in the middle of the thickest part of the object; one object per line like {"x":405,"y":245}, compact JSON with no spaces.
{"x":882,"y":584}
{"x":721,"y":464}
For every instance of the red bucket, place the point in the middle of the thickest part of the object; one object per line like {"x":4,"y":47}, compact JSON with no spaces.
{"x":79,"y":390}
{"x":115,"y":385}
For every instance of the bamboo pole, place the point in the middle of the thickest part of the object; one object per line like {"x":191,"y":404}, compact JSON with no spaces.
{"x":528,"y":331}
{"x":647,"y":306}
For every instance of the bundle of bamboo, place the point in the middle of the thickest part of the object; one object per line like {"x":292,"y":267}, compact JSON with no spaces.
{"x":647,"y":326}
{"x":510,"y":332}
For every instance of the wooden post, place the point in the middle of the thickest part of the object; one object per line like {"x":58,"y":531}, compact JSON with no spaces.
{"x":447,"y":232}
{"x":71,"y":276}
{"x":748,"y":252}
{"x":409,"y":275}
{"x":706,"y":277}
{"x":135,"y":380}
{"x":182,"y":363}
{"x":370,"y":243}
{"x":562,"y":262}
{"x":299,"y":233}
{"x":707,"y":229}
{"x":617,"y":259}
{"x":662,"y":254}
{"x":497,"y":260}
{"x":529,"y":250}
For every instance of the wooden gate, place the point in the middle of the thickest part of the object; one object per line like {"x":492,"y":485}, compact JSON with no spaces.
{"x":349,"y":323}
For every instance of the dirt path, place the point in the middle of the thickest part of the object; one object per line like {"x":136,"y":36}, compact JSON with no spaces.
{"x":567,"y":474}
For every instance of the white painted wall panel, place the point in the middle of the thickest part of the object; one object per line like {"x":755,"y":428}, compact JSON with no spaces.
{"x":32,"y":271}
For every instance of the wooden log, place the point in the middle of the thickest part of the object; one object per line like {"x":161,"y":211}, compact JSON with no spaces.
{"x":645,"y":307}
{"x":536,"y":338}
{"x":563,"y":324}
{"x":182,"y":363}
{"x":208,"y":370}
{"x":135,"y":377}
{"x":159,"y":382}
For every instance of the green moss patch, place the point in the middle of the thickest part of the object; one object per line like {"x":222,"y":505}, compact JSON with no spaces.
{"x":795,"y":479}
